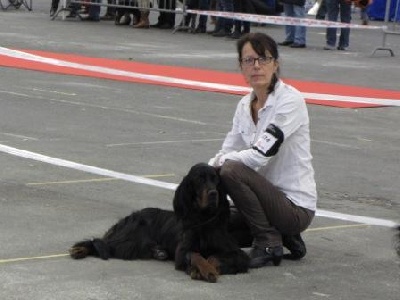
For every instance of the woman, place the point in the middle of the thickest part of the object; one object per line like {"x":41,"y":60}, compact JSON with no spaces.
{"x":265,"y":160}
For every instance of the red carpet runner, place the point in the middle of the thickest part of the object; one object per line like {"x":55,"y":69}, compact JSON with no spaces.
{"x":336,"y":95}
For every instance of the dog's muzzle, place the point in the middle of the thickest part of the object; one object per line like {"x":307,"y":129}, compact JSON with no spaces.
{"x":212,"y":198}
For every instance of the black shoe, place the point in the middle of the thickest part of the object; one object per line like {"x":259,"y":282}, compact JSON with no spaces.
{"x":107,"y":18}
{"x":235,"y":35}
{"x":53,"y":11}
{"x":166,"y":26}
{"x":341,"y":48}
{"x":260,"y":257}
{"x":286,"y":43}
{"x":200,"y":30}
{"x":221,"y":33}
{"x":91,"y":19}
{"x":296,"y":246}
{"x":54,"y":8}
{"x":72,"y":14}
{"x":295,"y":45}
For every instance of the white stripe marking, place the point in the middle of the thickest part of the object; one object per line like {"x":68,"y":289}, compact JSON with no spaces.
{"x":163,"y":142}
{"x":356,"y":219}
{"x":85,"y":168}
{"x":109,"y":71}
{"x":165,"y":185}
{"x":171,"y":80}
{"x":19,"y":136}
{"x":328,"y":97}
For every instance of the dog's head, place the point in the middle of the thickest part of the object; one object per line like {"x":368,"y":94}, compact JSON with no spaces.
{"x":200,"y":192}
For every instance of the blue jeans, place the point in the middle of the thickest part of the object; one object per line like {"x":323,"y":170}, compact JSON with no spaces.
{"x":334,"y":7}
{"x":296,"y":34}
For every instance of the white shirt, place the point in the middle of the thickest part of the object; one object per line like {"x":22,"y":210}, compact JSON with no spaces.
{"x":290,"y":169}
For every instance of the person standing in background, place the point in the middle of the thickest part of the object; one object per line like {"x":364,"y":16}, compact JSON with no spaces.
{"x":224,"y":25}
{"x":166,"y":20}
{"x":334,"y":8}
{"x":240,"y":27}
{"x":295,"y":34}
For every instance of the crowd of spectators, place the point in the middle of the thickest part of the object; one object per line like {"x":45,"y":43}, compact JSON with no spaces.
{"x":136,"y":13}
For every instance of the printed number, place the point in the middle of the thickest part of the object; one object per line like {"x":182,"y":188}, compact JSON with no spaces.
{"x":266,"y":142}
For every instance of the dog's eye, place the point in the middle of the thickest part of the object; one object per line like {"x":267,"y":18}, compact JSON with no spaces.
{"x":200,"y":181}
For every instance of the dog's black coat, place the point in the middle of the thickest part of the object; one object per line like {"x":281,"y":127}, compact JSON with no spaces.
{"x":198,"y":224}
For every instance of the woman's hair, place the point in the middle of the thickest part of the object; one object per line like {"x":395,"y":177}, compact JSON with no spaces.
{"x":261,"y":43}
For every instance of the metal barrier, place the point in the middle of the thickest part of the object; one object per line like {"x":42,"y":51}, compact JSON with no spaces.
{"x":16,"y":4}
{"x":167,"y":6}
{"x":392,"y":24}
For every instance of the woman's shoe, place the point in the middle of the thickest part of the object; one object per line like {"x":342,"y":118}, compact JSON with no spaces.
{"x":296,"y":246}
{"x":260,"y":257}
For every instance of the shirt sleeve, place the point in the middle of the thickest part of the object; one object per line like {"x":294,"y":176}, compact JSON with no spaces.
{"x":290,"y":114}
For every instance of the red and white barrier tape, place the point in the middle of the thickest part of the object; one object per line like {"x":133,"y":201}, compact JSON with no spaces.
{"x":278,"y":20}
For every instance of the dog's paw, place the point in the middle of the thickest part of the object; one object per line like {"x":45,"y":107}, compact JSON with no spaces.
{"x":208,"y":275}
{"x":195,"y":274}
{"x":78,"y":252}
{"x":212,"y":260}
{"x":201,"y":269}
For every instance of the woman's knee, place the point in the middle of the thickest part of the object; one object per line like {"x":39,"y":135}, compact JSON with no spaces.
{"x":229,"y":170}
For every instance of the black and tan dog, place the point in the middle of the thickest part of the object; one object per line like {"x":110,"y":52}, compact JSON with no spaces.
{"x":195,"y":235}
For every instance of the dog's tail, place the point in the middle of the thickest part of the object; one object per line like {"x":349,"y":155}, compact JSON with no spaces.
{"x":95,"y":247}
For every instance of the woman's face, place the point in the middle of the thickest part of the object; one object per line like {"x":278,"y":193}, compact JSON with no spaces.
{"x":259,"y":74}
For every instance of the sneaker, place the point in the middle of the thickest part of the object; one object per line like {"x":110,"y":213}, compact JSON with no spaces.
{"x":296,"y":246}
{"x":329,"y":47}
{"x":260,"y":257}
{"x":341,"y":48}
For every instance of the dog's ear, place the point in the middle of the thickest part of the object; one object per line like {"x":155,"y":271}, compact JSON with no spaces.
{"x":183,"y":197}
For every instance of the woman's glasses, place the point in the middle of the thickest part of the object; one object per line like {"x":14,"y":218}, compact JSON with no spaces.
{"x":251,"y":61}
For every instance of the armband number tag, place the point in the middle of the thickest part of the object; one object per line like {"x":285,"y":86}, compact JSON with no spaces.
{"x":265,"y":142}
